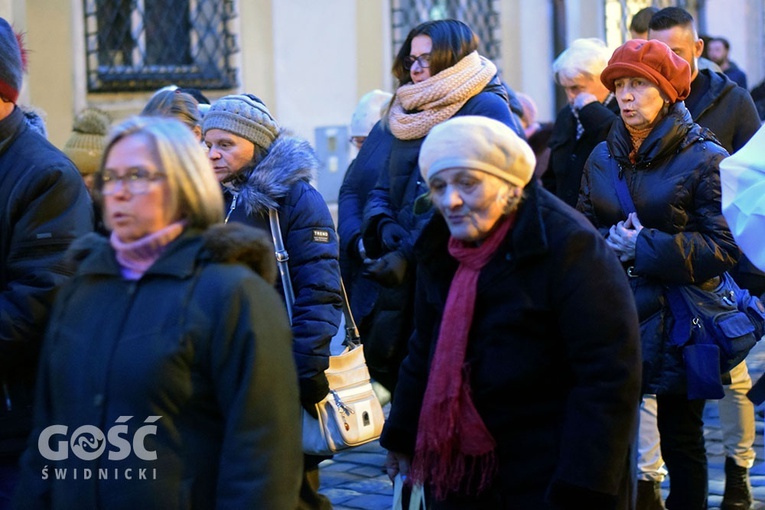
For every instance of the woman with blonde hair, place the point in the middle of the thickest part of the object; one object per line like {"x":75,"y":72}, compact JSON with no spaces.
{"x":167,"y":362}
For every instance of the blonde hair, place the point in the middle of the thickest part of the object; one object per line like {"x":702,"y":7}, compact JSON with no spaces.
{"x":174,"y":103}
{"x":194,"y":190}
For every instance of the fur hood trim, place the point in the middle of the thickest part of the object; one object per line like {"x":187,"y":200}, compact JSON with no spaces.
{"x":289,"y":160}
{"x":222,"y":243}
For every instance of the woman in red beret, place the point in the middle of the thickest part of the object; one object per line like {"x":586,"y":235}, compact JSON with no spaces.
{"x":674,"y":234}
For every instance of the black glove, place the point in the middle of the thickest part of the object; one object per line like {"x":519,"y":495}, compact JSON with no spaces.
{"x":392,"y":235}
{"x":389,"y":270}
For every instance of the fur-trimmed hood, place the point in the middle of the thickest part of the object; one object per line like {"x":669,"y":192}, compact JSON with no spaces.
{"x":221,"y":243}
{"x":289,"y":159}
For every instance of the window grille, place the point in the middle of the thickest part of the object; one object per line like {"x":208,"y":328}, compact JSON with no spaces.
{"x":481,"y":15}
{"x":135,"y":45}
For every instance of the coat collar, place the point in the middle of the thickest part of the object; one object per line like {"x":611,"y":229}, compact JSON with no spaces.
{"x":289,"y":160}
{"x":229,"y":243}
{"x":672,"y":134}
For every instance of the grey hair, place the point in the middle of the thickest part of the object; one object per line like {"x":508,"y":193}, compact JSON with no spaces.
{"x":584,"y":57}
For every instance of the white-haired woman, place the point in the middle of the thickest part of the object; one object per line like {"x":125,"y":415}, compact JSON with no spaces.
{"x":167,"y":378}
{"x":584,"y":122}
{"x":520,"y":389}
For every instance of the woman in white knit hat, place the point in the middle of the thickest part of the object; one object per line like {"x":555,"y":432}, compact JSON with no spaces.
{"x":520,"y":389}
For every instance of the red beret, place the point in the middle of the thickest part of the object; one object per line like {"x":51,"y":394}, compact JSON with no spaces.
{"x":654,"y":61}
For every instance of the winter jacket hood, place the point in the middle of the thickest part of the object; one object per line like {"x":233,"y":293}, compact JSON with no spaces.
{"x":288,"y":160}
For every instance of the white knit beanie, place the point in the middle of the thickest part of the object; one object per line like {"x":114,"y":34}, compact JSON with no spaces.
{"x":477,"y":143}
{"x":243,"y":116}
{"x":369,"y":111}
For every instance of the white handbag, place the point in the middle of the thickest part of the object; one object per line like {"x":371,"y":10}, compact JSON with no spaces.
{"x":350,"y":415}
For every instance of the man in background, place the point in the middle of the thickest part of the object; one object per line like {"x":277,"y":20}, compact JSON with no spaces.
{"x":718,"y":50}
{"x":43,"y":207}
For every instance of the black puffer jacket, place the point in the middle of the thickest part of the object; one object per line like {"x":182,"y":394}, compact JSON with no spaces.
{"x":675,"y":184}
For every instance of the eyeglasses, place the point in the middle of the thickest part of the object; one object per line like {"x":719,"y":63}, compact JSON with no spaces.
{"x":357,"y":141}
{"x":136,"y":180}
{"x":423,"y":60}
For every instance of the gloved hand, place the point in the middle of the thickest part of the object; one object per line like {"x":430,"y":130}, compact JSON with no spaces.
{"x":389,"y":270}
{"x":392,"y":235}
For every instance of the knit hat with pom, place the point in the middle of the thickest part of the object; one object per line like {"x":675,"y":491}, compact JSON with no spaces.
{"x":12,"y":62}
{"x":85,"y":146}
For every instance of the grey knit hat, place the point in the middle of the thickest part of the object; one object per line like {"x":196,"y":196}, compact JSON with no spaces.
{"x":12,"y":62}
{"x":243,"y":116}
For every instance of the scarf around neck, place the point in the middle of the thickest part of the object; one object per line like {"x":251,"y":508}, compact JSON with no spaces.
{"x":417,"y":107}
{"x":136,"y":257}
{"x":453,"y":445}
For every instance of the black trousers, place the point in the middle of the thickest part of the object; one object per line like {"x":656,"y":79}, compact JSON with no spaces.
{"x":681,"y":430}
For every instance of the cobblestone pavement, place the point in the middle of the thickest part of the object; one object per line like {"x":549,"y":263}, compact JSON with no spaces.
{"x":354,"y":480}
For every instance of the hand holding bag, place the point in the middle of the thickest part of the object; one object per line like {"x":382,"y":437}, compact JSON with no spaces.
{"x":350,"y":415}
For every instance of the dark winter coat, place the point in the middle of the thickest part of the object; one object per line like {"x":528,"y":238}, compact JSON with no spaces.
{"x":358,"y":182}
{"x":281,"y":180}
{"x":568,"y":155}
{"x":675,"y":185}
{"x":555,"y":375}
{"x":199,"y":349}
{"x":44,"y":205}
{"x":718,"y":104}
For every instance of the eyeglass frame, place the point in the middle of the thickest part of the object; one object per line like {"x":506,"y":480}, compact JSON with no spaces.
{"x":423,"y":60}
{"x":357,"y":141}
{"x":127,"y":181}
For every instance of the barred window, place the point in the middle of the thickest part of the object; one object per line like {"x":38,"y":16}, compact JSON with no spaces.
{"x":481,"y":15}
{"x":135,"y":45}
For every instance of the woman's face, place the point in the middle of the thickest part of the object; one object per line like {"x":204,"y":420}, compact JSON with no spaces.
{"x":133,"y":216}
{"x":421,"y":45}
{"x":640,"y":101}
{"x":471,"y":201}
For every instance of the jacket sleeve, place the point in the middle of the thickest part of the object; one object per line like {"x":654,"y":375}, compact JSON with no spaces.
{"x":602,"y":352}
{"x":47,"y":210}
{"x":747,"y":119}
{"x":584,"y":205}
{"x":705,"y":248}
{"x":311,"y":242}
{"x":400,"y":430}
{"x":359,"y":181}
{"x":597,"y":118}
{"x":253,"y":373}
{"x":350,"y":212}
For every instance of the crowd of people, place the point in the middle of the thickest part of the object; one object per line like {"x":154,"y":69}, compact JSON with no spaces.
{"x":512,"y":310}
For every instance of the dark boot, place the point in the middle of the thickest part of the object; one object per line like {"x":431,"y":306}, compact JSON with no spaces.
{"x":738,"y":492}
{"x":649,"y":496}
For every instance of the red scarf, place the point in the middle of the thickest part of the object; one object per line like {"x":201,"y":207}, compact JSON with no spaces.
{"x":452,"y":440}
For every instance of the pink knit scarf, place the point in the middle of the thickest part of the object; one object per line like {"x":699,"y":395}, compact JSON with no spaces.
{"x":453,"y":444}
{"x":136,"y":257}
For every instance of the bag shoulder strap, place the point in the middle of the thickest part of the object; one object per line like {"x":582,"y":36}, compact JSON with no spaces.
{"x":352,"y":337}
{"x":282,"y":257}
{"x":622,"y":192}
